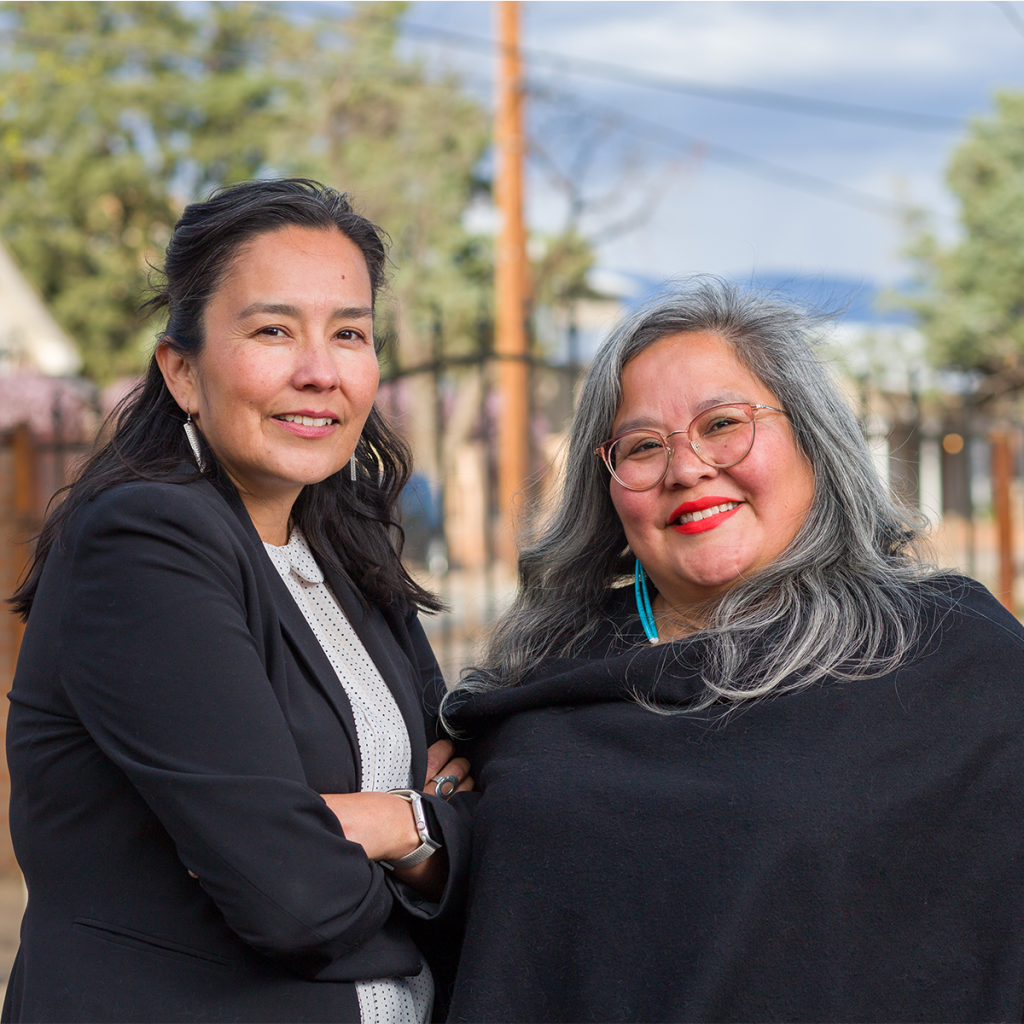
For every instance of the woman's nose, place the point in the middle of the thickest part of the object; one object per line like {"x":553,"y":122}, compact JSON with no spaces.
{"x":316,"y":368}
{"x":684,"y":468}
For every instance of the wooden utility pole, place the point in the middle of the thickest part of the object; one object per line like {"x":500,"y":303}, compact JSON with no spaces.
{"x":1002,"y":472}
{"x":511,"y":277}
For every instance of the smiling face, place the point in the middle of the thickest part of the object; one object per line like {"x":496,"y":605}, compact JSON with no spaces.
{"x":702,"y":529}
{"x":288,"y":373}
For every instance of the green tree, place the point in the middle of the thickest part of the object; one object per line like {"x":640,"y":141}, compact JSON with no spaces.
{"x":972,"y":309}
{"x":408,"y":145}
{"x":111,"y":116}
{"x":115,"y":114}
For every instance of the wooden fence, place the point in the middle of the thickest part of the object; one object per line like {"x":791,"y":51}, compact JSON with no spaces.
{"x":32,"y":470}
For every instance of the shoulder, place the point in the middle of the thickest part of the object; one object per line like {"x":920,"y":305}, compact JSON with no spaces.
{"x":952,"y":601}
{"x":967,"y":636}
{"x":187,"y":505}
{"x":190,"y":520}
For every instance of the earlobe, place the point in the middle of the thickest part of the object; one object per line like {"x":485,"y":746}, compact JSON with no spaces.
{"x":177,"y":374}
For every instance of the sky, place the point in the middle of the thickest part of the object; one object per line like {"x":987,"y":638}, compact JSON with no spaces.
{"x":665,"y":174}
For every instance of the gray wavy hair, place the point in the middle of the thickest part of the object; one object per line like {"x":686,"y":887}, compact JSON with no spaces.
{"x":842,"y":600}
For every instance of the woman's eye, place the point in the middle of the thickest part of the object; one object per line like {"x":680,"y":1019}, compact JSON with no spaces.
{"x":351,"y":334}
{"x":644,"y":446}
{"x":271,"y":332}
{"x":718,"y":423}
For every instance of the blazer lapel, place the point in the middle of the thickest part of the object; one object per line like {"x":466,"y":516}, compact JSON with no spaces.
{"x":318,"y":665}
{"x":295,"y":626}
{"x":381,"y":641}
{"x":394,"y":664}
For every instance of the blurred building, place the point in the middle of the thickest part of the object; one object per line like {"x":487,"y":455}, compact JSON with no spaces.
{"x":31,"y":341}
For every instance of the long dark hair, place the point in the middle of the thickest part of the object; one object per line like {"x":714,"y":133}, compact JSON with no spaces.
{"x":350,"y":526}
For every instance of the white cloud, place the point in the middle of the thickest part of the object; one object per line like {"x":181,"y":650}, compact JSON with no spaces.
{"x":776,"y":44}
{"x":932,"y":57}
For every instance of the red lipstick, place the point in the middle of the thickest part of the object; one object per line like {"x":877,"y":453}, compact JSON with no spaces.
{"x":700,"y":524}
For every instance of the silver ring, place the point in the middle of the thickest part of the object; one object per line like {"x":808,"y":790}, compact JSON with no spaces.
{"x":446,"y":780}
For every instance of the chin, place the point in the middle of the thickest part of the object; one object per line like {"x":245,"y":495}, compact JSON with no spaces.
{"x":314,"y":474}
{"x":712,"y":585}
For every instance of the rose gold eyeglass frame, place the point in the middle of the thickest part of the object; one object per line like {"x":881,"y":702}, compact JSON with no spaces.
{"x":605,"y":449}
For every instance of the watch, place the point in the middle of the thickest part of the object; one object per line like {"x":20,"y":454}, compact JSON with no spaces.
{"x":428,"y":845}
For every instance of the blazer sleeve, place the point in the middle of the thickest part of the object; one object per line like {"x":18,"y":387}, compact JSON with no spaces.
{"x":161,"y":659}
{"x":452,"y":817}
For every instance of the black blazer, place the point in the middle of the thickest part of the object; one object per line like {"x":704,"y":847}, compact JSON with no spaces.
{"x":172,"y":712}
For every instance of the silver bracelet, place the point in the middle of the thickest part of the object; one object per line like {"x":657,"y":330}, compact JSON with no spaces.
{"x":428,"y":845}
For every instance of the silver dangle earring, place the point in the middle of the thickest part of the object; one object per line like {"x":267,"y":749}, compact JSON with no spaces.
{"x":352,"y":468}
{"x":192,"y":433}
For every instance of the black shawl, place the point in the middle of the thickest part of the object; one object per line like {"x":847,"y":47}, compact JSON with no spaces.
{"x":853,"y":851}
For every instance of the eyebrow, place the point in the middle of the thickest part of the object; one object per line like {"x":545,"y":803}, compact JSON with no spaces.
{"x":702,"y":406}
{"x":285,"y":309}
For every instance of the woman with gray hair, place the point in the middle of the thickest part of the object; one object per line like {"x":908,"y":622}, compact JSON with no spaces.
{"x":779,"y":774}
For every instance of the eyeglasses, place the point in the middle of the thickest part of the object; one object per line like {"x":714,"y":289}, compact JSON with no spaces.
{"x":720,"y":437}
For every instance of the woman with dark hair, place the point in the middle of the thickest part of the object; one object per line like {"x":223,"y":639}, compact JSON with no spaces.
{"x":779,"y":773}
{"x":221,"y":714}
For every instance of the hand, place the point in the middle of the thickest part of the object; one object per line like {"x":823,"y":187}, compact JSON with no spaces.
{"x":439,"y":764}
{"x":381,"y":823}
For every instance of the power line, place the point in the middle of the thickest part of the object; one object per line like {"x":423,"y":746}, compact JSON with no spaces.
{"x":735,"y":94}
{"x":1012,"y":15}
{"x":674,"y":139}
{"x":828,"y":109}
{"x":757,"y":167}
{"x":766,"y":169}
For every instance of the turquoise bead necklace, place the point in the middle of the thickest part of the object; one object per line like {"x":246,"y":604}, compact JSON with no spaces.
{"x":643,"y":603}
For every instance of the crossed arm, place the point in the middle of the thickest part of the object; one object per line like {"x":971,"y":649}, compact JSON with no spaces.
{"x":382,"y":823}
